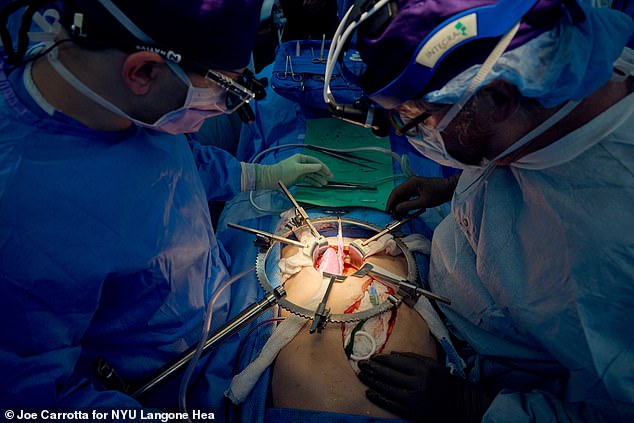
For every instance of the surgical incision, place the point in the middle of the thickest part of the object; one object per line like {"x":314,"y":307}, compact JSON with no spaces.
{"x":317,"y":371}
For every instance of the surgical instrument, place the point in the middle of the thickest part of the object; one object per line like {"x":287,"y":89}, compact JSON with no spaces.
{"x":321,"y":312}
{"x":342,"y":157}
{"x":406,"y":289}
{"x":391,"y":226}
{"x":341,"y":153}
{"x":231,"y":327}
{"x":288,"y":69}
{"x":321,"y":58}
{"x":266,"y":236}
{"x":300,"y":210}
{"x":341,"y":185}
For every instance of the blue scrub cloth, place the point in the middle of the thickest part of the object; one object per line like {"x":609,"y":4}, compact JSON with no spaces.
{"x":106,"y":249}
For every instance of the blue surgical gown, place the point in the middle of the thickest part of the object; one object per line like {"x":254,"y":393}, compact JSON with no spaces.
{"x":538,"y":260}
{"x":106,"y":250}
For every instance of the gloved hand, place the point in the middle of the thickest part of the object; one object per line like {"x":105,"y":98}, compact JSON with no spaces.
{"x":419,"y":389}
{"x":418,"y":192}
{"x":297,"y":168}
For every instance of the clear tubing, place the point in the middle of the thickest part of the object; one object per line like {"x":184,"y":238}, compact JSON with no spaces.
{"x":182,"y":393}
{"x":395,"y":156}
{"x":339,"y":42}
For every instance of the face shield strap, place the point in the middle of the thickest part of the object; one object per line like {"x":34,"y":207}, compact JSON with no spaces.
{"x":360,"y":113}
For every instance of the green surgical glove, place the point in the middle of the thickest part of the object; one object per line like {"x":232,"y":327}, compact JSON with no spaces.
{"x":295,"y":169}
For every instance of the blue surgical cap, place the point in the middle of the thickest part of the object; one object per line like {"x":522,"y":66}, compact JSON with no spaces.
{"x":568,"y":62}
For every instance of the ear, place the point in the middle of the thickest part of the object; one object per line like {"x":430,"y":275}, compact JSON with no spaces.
{"x":504,"y":99}
{"x":140,"y":71}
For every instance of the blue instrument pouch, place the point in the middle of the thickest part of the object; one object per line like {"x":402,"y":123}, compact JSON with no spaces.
{"x":298,"y":74}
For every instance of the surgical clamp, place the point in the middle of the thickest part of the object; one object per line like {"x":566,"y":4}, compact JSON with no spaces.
{"x":321,"y":58}
{"x":289,"y":66}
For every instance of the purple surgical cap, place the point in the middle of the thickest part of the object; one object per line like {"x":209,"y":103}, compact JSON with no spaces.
{"x":387,"y":54}
{"x":219,"y":34}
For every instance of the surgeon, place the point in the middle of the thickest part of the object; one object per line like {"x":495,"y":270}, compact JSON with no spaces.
{"x":533,"y":102}
{"x":107,"y":253}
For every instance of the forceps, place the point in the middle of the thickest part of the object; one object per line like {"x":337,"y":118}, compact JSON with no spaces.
{"x":349,"y":155}
{"x":342,"y":185}
{"x":344,"y":156}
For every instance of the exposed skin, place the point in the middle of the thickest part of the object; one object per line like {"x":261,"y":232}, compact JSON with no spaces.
{"x":312,"y":371}
{"x":493,"y":120}
{"x":498,"y":115}
{"x":141,"y":84}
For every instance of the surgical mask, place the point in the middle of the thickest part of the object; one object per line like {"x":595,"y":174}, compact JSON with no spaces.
{"x":431,"y":145}
{"x":429,"y":142}
{"x":199,"y":104}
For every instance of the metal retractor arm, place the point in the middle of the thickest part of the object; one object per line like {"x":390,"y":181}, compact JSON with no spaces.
{"x":266,"y":237}
{"x":300,"y":210}
{"x":217,"y":337}
{"x":404,"y":288}
{"x":321,"y":313}
{"x":392,"y":226}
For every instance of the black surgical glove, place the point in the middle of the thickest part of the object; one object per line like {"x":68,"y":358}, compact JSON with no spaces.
{"x":418,"y":192}
{"x":419,"y":389}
